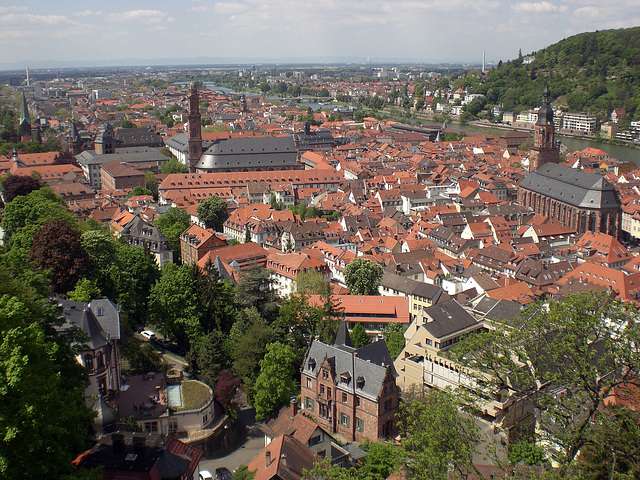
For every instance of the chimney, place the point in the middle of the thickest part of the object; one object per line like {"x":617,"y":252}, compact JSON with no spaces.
{"x":293,"y":406}
{"x":267,"y":457}
{"x":117,"y":440}
{"x":138,"y":445}
{"x":283,"y":460}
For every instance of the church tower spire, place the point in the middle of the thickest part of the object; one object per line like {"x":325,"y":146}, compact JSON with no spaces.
{"x":25,"y":120}
{"x":194,"y":127}
{"x":544,"y":148}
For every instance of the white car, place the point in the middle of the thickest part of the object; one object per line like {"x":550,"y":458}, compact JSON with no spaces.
{"x":205,"y":475}
{"x":148,"y":334}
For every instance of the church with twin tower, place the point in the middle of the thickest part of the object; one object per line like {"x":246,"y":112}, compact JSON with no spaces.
{"x":582,"y":200}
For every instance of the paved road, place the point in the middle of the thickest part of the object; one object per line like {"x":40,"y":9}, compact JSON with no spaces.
{"x":249,"y":444}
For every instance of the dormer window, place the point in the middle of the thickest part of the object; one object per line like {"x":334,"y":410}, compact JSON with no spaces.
{"x":345,"y":378}
{"x":360,"y":382}
{"x":312,"y":364}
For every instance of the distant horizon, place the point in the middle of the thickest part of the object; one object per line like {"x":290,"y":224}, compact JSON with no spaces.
{"x":229,"y":62}
{"x":61,"y":34}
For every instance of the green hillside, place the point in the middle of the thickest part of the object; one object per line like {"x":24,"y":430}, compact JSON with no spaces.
{"x":591,"y":72}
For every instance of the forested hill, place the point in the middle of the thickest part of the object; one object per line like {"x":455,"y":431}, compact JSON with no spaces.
{"x":594,"y":72}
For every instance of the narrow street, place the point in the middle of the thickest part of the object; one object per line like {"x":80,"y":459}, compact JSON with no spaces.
{"x":250,"y":443}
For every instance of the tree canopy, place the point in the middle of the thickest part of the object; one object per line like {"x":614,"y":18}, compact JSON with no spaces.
{"x":275,"y":384}
{"x":16,"y":185}
{"x":363,"y":277}
{"x":213,"y":212}
{"x":565,"y":358}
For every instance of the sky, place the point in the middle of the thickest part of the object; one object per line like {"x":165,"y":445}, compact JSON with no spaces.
{"x":51,"y":33}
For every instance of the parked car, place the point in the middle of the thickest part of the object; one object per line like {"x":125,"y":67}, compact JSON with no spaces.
{"x":223,"y":473}
{"x":148,"y":334}
{"x":205,"y":475}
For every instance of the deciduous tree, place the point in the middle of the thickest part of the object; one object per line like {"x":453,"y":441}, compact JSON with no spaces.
{"x":275,"y":384}
{"x":564,"y":358}
{"x":359,"y":336}
{"x":363,"y":277}
{"x":213,"y":212}
{"x":16,"y":185}
{"x":449,"y":441}
{"x":56,"y":248}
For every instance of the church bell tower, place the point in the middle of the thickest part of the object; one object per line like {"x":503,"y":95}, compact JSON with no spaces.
{"x":194,"y":127}
{"x":544,"y":148}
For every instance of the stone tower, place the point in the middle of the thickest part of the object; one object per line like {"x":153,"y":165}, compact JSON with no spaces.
{"x":544,"y":148}
{"x":194,"y":127}
{"x":105,"y":141}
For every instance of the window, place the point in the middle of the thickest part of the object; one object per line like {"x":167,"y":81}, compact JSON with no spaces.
{"x":88,"y":362}
{"x":359,"y":425}
{"x":309,"y":383}
{"x":357,"y":401}
{"x":205,"y":419}
{"x":151,"y":427}
{"x":321,"y":389}
{"x":344,"y":397}
{"x":173,"y":425}
{"x":344,"y":420}
{"x":315,"y":440}
{"x":308,"y":403}
{"x":325,"y":375}
{"x":328,"y":393}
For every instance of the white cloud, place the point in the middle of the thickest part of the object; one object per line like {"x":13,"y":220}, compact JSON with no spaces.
{"x":87,"y":13}
{"x":539,"y":7}
{"x":12,"y":8}
{"x":232,"y":8}
{"x":143,"y":16}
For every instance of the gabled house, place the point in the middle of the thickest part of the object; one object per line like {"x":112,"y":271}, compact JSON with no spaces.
{"x":99,"y":320}
{"x":350,"y":392}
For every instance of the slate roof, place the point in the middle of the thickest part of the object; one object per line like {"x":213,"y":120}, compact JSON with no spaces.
{"x":572,"y":186}
{"x":361,"y":363}
{"x":250,"y":152}
{"x":99,"y":319}
{"x":138,"y":137}
{"x":447,"y":318}
{"x":129,"y":155}
{"x":409,"y":286}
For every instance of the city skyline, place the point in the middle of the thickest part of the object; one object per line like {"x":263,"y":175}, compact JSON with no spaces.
{"x":432,"y":31}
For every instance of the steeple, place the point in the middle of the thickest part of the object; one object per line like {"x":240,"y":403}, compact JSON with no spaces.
{"x":194,"y":127}
{"x":544,"y":148}
{"x":25,"y":120}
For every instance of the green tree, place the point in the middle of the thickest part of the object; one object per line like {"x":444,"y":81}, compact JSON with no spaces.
{"x":450,"y":440}
{"x":174,"y":166}
{"x":381,"y":461}
{"x":212,"y":211}
{"x":42,"y":410}
{"x":174,"y":307}
{"x":359,"y":336}
{"x":243,"y":473}
{"x":248,"y":352}
{"x":584,"y":347}
{"x":393,"y":334}
{"x":138,"y":190}
{"x":526,"y":452}
{"x":275,"y":384}
{"x":173,"y":223}
{"x":312,"y":282}
{"x":25,"y":215}
{"x":126,"y":123}
{"x":208,"y":357}
{"x":363,"y":277}
{"x":85,"y":291}
{"x":264,"y":86}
